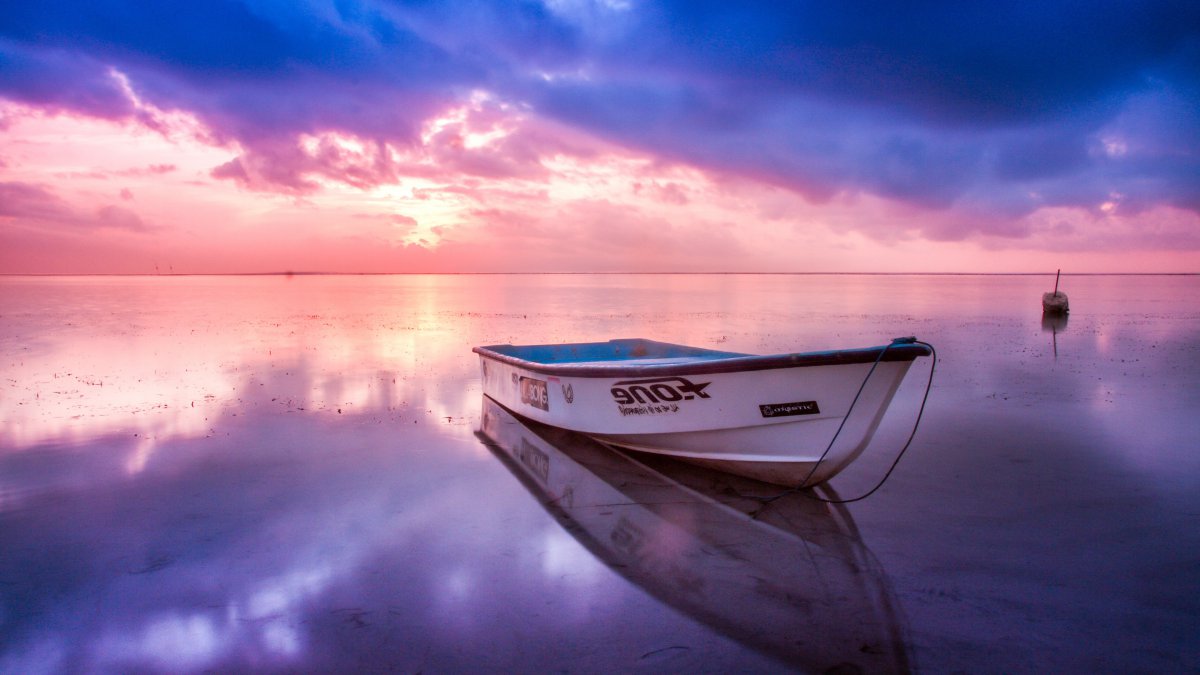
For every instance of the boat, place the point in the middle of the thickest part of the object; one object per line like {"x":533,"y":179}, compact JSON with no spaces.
{"x":790,"y":419}
{"x":1055,"y":302}
{"x":794,"y":581}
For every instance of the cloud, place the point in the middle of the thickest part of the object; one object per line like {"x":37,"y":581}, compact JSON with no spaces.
{"x":967,"y":64}
{"x":137,"y":172}
{"x":989,"y":113}
{"x":1075,"y":230}
{"x":599,"y":235}
{"x":671,"y":193}
{"x":120,"y":218}
{"x":386,"y":227}
{"x":21,"y":201}
{"x":38,"y":207}
{"x":477,"y":140}
{"x":60,"y":80}
{"x":978,"y":110}
{"x":151,"y":170}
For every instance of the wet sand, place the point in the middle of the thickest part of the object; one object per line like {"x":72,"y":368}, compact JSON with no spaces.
{"x":272,"y":473}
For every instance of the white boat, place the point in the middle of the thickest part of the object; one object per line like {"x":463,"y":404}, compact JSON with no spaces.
{"x":793,"y":581}
{"x":790,"y":419}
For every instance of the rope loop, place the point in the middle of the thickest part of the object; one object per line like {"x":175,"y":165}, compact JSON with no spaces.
{"x":920,"y":413}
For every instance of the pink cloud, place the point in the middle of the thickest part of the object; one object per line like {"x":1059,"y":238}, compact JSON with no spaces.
{"x":671,"y":193}
{"x":120,"y":218}
{"x":37,"y":207}
{"x":151,"y":170}
{"x":23,"y":201}
{"x":479,"y":140}
{"x":604,"y":236}
{"x":488,"y":189}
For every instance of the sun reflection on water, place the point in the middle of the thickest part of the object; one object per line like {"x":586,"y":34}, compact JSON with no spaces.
{"x":186,"y":361}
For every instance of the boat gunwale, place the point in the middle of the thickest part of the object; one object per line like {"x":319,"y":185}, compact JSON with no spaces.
{"x":708,"y":366}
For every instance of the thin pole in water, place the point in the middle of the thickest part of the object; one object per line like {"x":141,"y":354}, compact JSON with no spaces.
{"x":1056,"y":275}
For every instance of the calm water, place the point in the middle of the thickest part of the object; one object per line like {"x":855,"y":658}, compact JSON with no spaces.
{"x":297,"y":474}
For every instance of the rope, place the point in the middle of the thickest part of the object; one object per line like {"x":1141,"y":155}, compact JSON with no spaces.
{"x":920,"y":413}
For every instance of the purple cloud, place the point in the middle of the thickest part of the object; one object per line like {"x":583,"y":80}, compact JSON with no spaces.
{"x":23,"y":201}
{"x":991,"y":111}
{"x":120,"y":218}
{"x":60,"y":79}
{"x":38,"y":207}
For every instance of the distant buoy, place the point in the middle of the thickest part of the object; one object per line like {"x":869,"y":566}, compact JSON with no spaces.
{"x":1055,"y":302}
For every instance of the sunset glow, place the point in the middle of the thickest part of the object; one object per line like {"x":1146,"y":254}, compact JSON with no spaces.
{"x":596,"y":136}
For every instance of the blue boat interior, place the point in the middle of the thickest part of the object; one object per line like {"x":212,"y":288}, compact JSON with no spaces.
{"x":636,"y":357}
{"x":625,"y":350}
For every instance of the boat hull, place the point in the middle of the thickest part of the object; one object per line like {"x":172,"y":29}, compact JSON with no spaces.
{"x":789,"y":424}
{"x":1055,"y":303}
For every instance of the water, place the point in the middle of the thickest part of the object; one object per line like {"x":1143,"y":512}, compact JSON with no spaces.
{"x":274,"y":473}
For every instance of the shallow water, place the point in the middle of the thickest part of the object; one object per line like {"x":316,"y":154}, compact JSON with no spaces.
{"x":274,"y":473}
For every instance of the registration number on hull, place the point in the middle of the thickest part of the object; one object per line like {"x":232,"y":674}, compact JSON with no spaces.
{"x":533,"y":392}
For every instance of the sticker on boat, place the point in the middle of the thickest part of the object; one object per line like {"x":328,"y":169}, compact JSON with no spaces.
{"x":533,"y":392}
{"x":786,"y":409}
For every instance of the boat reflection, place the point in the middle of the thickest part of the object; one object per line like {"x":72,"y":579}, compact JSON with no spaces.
{"x":1054,"y":324}
{"x":792,"y":580}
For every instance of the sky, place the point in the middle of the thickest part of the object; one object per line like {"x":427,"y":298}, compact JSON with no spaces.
{"x":230,"y":136}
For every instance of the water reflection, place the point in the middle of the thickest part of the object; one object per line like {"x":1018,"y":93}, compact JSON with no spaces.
{"x":235,"y":474}
{"x":161,"y":358}
{"x":1054,"y":324}
{"x":796,"y":582}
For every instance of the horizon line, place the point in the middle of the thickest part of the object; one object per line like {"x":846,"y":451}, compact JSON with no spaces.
{"x":291,"y":273}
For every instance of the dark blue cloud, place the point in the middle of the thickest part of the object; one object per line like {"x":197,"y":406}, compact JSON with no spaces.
{"x":971,"y":63}
{"x":993,"y":108}
{"x":219,"y":36}
{"x":999,"y":109}
{"x":64,"y":80}
{"x":250,"y":69}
